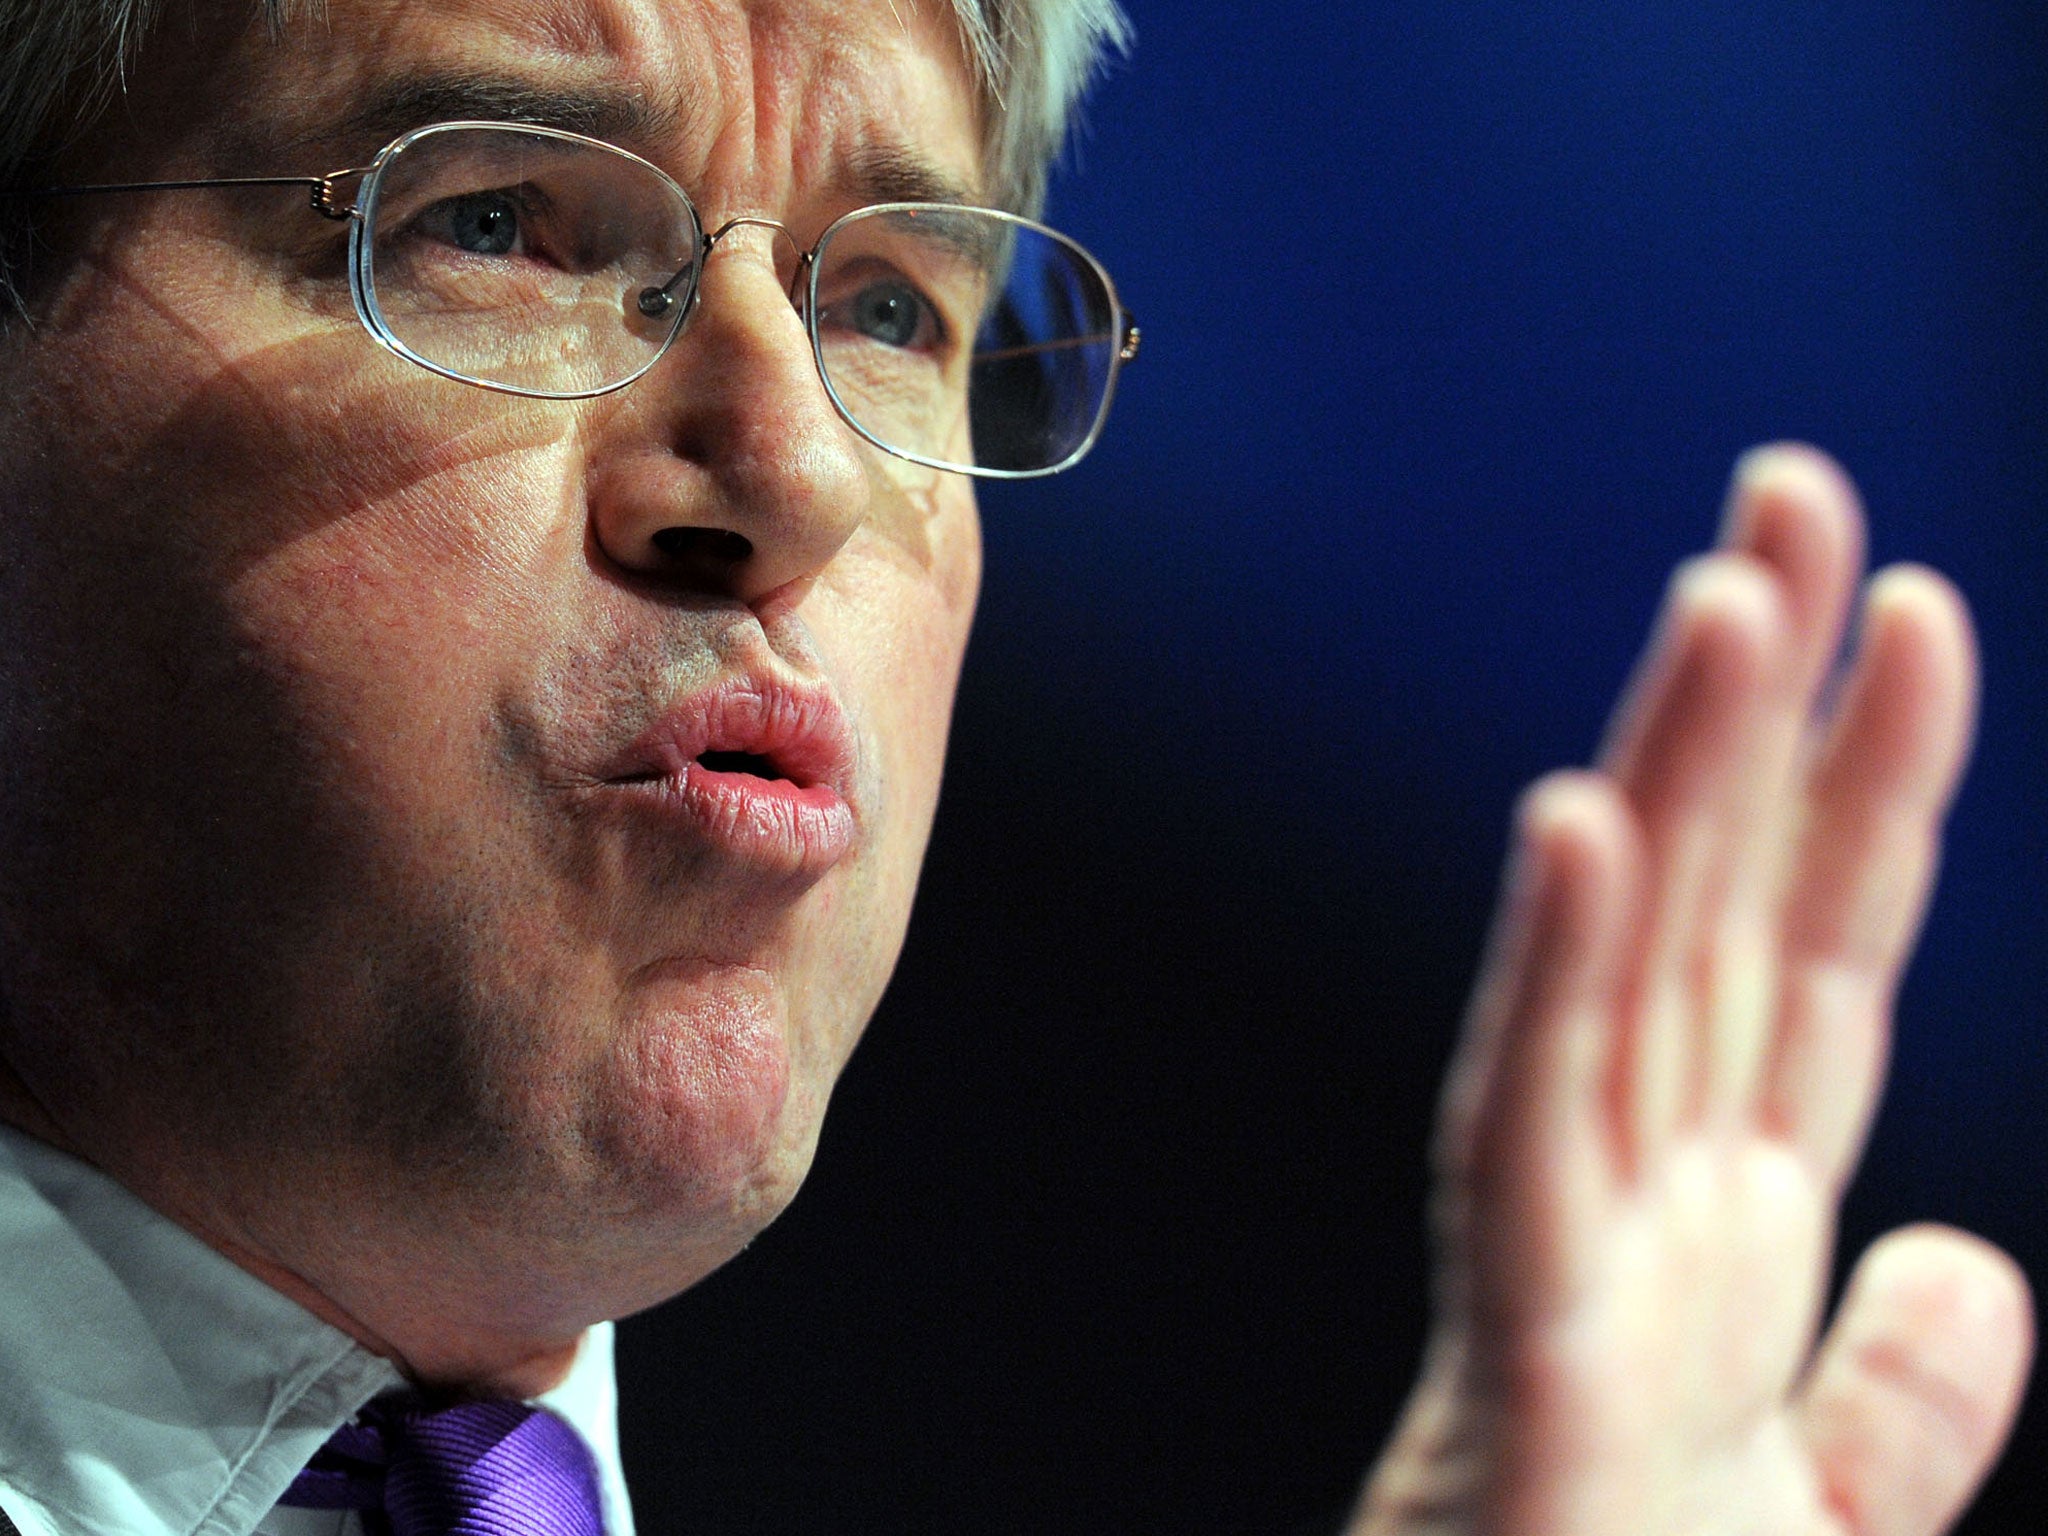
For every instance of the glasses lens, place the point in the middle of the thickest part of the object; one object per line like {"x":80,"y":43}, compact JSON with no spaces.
{"x":964,"y":337}
{"x":546,"y":264}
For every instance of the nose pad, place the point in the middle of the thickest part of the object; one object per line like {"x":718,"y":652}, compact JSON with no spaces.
{"x":654,"y":300}
{"x":657,"y":299}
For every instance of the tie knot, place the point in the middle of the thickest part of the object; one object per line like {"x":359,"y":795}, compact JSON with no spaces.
{"x":495,"y":1468}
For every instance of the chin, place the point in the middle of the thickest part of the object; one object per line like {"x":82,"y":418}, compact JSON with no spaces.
{"x":657,"y":1172}
{"x":704,"y":1129}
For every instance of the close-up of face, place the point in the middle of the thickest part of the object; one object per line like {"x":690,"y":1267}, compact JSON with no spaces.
{"x":509,"y":808}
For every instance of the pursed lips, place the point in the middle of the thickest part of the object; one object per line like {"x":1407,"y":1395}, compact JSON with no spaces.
{"x":755,"y":771}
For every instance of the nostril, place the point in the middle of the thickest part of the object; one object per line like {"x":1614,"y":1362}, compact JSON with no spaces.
{"x":710,"y":551}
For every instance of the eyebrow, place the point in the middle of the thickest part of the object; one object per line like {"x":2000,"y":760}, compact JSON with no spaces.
{"x":875,"y":173}
{"x":413,"y":101}
{"x":890,"y":173}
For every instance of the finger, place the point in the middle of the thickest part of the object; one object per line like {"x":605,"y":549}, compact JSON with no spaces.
{"x":1793,"y":509}
{"x":1866,"y":861}
{"x":1685,"y":742}
{"x":1795,"y":512}
{"x":1916,"y":1385}
{"x":1527,"y":1142}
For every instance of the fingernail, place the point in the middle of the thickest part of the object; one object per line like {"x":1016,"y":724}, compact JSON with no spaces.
{"x":1780,"y":469}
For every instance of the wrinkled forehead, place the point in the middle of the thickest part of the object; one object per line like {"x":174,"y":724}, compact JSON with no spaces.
{"x":756,"y":105}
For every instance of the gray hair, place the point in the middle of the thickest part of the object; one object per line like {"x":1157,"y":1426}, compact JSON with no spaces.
{"x":1033,"y":60}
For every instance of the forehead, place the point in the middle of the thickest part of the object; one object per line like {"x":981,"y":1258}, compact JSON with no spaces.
{"x":763,"y":97}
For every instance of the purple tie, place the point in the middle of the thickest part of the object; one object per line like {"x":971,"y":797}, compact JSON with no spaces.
{"x":474,"y":1469}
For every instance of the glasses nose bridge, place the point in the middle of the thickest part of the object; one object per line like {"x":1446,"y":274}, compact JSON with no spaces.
{"x":795,"y":287}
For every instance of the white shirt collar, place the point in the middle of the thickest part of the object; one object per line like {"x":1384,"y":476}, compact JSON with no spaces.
{"x":150,"y":1387}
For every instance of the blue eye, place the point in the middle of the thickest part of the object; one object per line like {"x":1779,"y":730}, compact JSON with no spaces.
{"x":482,"y":223}
{"x":894,"y":314}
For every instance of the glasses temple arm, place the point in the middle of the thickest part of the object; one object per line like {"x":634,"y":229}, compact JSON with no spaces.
{"x":1125,"y":352}
{"x":324,"y":195}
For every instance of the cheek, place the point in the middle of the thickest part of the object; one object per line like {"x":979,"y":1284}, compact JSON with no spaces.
{"x":379,"y":542}
{"x":255,"y":618}
{"x":402,"y":601}
{"x":895,"y":630}
{"x":401,"y":619}
{"x":259,"y":426}
{"x":910,"y":599}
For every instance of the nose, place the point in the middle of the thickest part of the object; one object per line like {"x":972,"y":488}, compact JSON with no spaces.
{"x":726,"y":467}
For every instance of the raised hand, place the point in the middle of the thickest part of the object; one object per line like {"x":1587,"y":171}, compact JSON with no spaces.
{"x":1666,"y":1077}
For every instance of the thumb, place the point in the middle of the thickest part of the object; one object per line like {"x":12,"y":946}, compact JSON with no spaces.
{"x":1915,"y":1387}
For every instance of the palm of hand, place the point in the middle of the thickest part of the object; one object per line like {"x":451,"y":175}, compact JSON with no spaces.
{"x":1667,"y":1374}
{"x":1670,"y":1064}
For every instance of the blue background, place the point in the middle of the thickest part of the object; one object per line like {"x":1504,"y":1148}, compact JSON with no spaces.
{"x":1455,"y":318}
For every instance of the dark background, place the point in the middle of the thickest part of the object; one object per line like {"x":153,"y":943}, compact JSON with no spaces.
{"x":1455,"y":317}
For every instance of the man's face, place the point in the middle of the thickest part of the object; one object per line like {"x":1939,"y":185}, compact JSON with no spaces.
{"x":363,"y":896}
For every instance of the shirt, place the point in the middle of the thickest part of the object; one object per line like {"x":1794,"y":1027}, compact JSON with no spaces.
{"x":151,"y":1387}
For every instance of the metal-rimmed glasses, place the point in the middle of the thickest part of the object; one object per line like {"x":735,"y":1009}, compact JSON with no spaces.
{"x":540,"y":262}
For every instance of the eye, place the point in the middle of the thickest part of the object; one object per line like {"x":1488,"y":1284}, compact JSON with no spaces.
{"x":893,"y":313}
{"x":481,"y":223}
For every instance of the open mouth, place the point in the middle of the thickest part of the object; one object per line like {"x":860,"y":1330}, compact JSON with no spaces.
{"x":751,"y":763}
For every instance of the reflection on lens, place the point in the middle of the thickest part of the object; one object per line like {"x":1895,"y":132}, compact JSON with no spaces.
{"x":1044,"y":358}
{"x":1012,"y":373}
{"x":516,"y":257}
